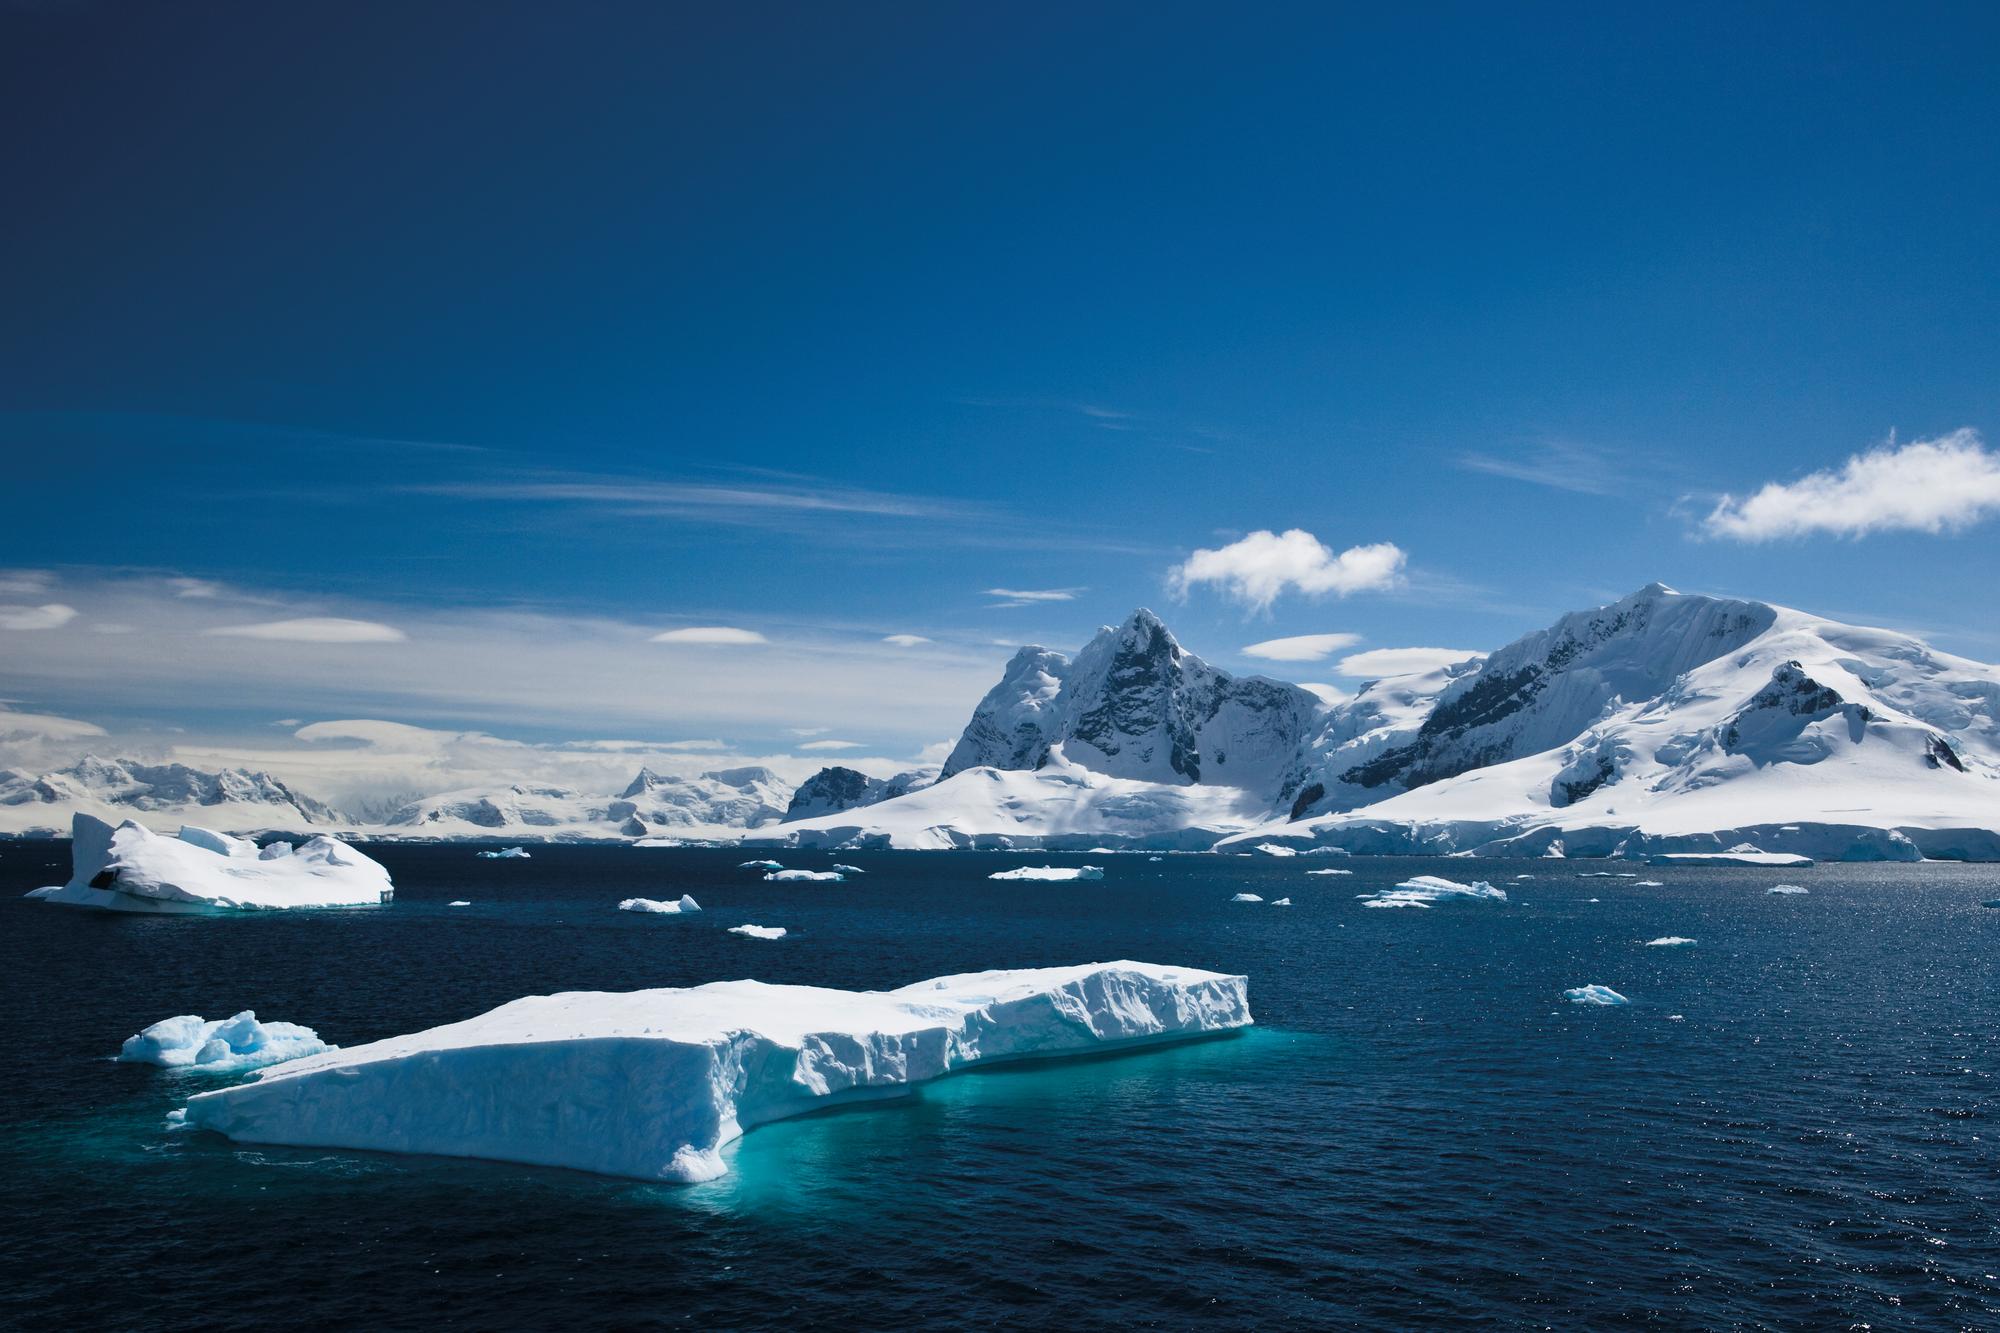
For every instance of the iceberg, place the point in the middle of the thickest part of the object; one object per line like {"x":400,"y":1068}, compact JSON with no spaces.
{"x":1594,"y":994}
{"x":1424,"y":890}
{"x":1329,"y":872}
{"x":759,"y":932}
{"x":1669,"y":942}
{"x":222,"y":1045}
{"x":132,"y":869}
{"x":760,"y":865}
{"x":1786,"y":889}
{"x":1246,"y":898}
{"x":458,"y":902}
{"x":684,"y":903}
{"x":1281,"y":902}
{"x":1276,"y":849}
{"x":850,"y":870}
{"x":786,"y":876}
{"x":505,"y":854}
{"x":652,"y":1084}
{"x":1050,"y":872}
{"x":1735,"y":856}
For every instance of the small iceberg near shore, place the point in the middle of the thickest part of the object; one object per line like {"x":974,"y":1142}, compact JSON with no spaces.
{"x":1424,"y":890}
{"x":652,"y":1084}
{"x":222,"y":1045}
{"x":1594,"y":994}
{"x":1051,"y":873}
{"x":789,"y":876}
{"x":759,"y":932}
{"x":683,"y":904}
{"x":133,"y":869}
{"x":505,"y":854}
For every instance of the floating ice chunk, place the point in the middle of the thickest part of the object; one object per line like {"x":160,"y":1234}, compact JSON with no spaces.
{"x":652,"y":1084}
{"x":1281,"y":902}
{"x":1787,"y":888}
{"x":1276,"y":849}
{"x":220,"y":1046}
{"x":132,"y":869}
{"x":1524,"y":877}
{"x":1050,"y":872}
{"x":1741,"y":855}
{"x":506,"y":854}
{"x":789,"y":876}
{"x":850,"y":870}
{"x":759,"y":932}
{"x":760,"y":865}
{"x":1152,"y":858}
{"x":1329,"y":872}
{"x":1594,"y":994}
{"x":459,"y":902}
{"x":1425,"y":890}
{"x":1676,"y":1018}
{"x":1246,"y":898}
{"x":1594,"y":900}
{"x":1669,"y":942}
{"x":1647,"y":884}
{"x":682,"y":904}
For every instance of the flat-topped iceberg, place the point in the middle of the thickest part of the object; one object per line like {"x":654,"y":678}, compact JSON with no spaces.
{"x":652,"y":1084}
{"x":787,"y":876}
{"x":1247,"y":898}
{"x":506,"y":854}
{"x":132,"y":869}
{"x":1669,"y":942}
{"x":220,"y":1046}
{"x":760,"y":865}
{"x":685,"y":903}
{"x":759,"y":932}
{"x":1050,"y":872}
{"x":1423,"y":890}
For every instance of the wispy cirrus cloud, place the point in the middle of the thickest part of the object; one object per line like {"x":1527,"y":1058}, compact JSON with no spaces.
{"x":1559,"y":464}
{"x":1301,"y":647}
{"x":49,"y":615}
{"x":313,"y":629}
{"x":1010,"y":597}
{"x":1936,"y":486}
{"x":715,"y":635}
{"x":1263,"y":565}
{"x":905,"y":640}
{"x":831,"y":745}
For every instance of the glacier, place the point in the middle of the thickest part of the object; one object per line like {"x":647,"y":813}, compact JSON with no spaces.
{"x":220,"y":1046}
{"x":653,"y":1084}
{"x":132,"y":869}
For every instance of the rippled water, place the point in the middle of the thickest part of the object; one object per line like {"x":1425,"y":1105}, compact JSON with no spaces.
{"x":1792,"y":1124}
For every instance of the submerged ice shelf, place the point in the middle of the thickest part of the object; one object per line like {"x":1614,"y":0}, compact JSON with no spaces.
{"x":652,"y":1084}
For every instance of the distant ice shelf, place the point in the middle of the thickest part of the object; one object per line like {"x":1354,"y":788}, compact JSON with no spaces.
{"x":652,"y":1084}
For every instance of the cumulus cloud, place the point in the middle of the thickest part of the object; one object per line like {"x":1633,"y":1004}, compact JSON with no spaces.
{"x":904,"y":640}
{"x":54,"y":615}
{"x":710,"y":634}
{"x":1301,"y":647}
{"x":831,"y":745}
{"x":1939,"y":485}
{"x":1264,"y":564}
{"x":1383,"y":662}
{"x":313,"y":629}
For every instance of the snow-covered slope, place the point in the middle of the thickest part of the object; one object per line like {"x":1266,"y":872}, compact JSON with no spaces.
{"x":717,"y":804}
{"x":1671,"y":722}
{"x":834,"y":789}
{"x":652,"y":1084}
{"x":161,"y":795}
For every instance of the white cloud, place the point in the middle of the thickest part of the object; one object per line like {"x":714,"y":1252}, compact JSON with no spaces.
{"x":905,"y":640}
{"x":314,"y":629}
{"x":710,"y":634}
{"x":809,"y":731}
{"x":1330,"y":695}
{"x":936,"y":752}
{"x":18,"y":727}
{"x":1264,"y":564}
{"x":1010,"y":597}
{"x":26,"y":582}
{"x":52,"y":616}
{"x":1301,"y":647}
{"x":184,"y":587}
{"x":1934,"y":486}
{"x":1558,"y":464}
{"x":831,"y":745}
{"x":1383,"y":662}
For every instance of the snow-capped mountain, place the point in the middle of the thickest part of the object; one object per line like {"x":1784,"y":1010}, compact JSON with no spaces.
{"x":233,"y":799}
{"x":714,"y":804}
{"x":834,"y":789}
{"x":1659,"y":722}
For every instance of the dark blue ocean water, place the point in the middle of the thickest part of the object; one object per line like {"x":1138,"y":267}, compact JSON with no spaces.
{"x":1420,"y":1130}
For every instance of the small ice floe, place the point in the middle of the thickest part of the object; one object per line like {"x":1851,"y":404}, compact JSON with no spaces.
{"x":1787,"y":889}
{"x":1152,"y":858}
{"x":1425,"y":890}
{"x":787,"y":876}
{"x":1669,"y":942}
{"x":221,"y":1046}
{"x":759,"y":932}
{"x":1247,"y":898}
{"x":680,"y":905}
{"x":505,"y":854}
{"x":459,"y":902}
{"x":760,"y":865}
{"x":1329,"y":871}
{"x":1594,"y":994}
{"x":849,"y":870}
{"x":1281,"y":902}
{"x":1524,"y":877}
{"x":1676,"y":1018}
{"x":1647,"y":884}
{"x":1050,"y":872}
{"x":1593,"y":900}
{"x":1593,"y":874}
{"x":1276,"y":849}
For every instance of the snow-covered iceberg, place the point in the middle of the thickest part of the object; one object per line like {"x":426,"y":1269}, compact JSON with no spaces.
{"x":1792,"y":889}
{"x":759,"y":932}
{"x":132,"y":869}
{"x":1329,"y":872}
{"x":652,"y":1084}
{"x":1050,"y":872}
{"x":786,"y":876}
{"x":1594,"y":994}
{"x":1281,"y":902}
{"x":685,"y":903}
{"x":1669,"y":942}
{"x":1247,"y":898}
{"x":1424,"y":890}
{"x":222,"y":1045}
{"x":850,"y":870}
{"x":760,"y":865}
{"x":505,"y":854}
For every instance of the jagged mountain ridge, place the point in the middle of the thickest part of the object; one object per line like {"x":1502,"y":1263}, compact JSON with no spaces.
{"x":122,"y":787}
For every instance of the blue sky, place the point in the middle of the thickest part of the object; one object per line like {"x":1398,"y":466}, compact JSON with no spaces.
{"x":817,"y":322}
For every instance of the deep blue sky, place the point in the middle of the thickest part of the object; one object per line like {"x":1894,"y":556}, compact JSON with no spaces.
{"x":1044,"y":297}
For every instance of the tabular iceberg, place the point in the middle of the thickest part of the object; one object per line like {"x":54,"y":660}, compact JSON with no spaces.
{"x":132,"y":869}
{"x":787,"y":876}
{"x":651,"y":1084}
{"x":685,"y":903}
{"x":220,"y":1046}
{"x":1051,"y":873}
{"x":759,"y":932}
